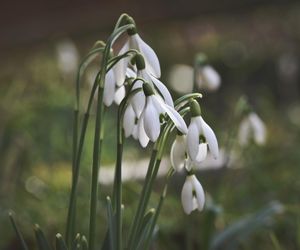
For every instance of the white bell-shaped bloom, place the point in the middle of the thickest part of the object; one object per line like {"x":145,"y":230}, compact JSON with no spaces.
{"x":148,"y":126}
{"x":179,"y":156}
{"x":151,"y":59}
{"x":197,"y":149}
{"x":200,"y":136}
{"x":252,"y":127}
{"x":114,"y":92}
{"x":130,"y":126}
{"x":192,"y":195}
{"x":158,"y":85}
{"x":139,"y":100}
{"x":207,"y":78}
{"x":109,"y":88}
{"x":155,"y":106}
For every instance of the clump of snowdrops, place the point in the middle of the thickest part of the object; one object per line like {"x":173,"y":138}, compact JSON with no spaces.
{"x":146,"y":111}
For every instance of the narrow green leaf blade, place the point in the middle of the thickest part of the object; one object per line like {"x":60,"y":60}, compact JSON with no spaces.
{"x":59,"y":242}
{"x":145,"y":227}
{"x":233,"y":234}
{"x":17,"y":231}
{"x":111,"y":224}
{"x":41,"y":239}
{"x":84,"y":243}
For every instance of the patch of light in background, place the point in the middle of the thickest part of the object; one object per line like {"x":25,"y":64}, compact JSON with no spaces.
{"x":67,"y":57}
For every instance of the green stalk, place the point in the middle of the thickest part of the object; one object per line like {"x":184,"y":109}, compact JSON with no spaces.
{"x":118,"y":178}
{"x":97,"y":145}
{"x":139,"y":214}
{"x":150,"y":178}
{"x":70,"y":229}
{"x":95,"y":166}
{"x":86,"y":60}
{"x":157,"y":211}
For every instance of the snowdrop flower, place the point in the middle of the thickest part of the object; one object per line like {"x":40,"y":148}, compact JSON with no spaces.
{"x":192,"y":195}
{"x":206,"y":76}
{"x":178,"y":154}
{"x":67,"y":56}
{"x":252,"y":127}
{"x":149,"y":121}
{"x":136,"y":42}
{"x":179,"y":157}
{"x":130,"y":122}
{"x":143,"y":73}
{"x":139,"y":100}
{"x":113,"y":91}
{"x":200,"y":136}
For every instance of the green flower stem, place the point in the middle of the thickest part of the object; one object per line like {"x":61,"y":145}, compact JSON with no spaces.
{"x":70,"y":230}
{"x":118,"y":181}
{"x":97,"y":145}
{"x":139,"y":214}
{"x":157,"y":211}
{"x":150,"y":178}
{"x":95,"y":167}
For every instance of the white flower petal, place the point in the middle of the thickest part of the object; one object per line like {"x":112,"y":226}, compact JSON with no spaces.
{"x":172,"y":113}
{"x":202,"y":153}
{"x":259,"y":129}
{"x":135,"y":132}
{"x":187,"y":196}
{"x":177,"y":119}
{"x":130,"y":73}
{"x":177,"y":156}
{"x":193,"y":140}
{"x":211,"y":138}
{"x":151,"y":60}
{"x":212,"y":79}
{"x":138,"y":100}
{"x":151,"y":120}
{"x":164,"y":91}
{"x":120,"y":67}
{"x":120,"y":94}
{"x":109,"y":88}
{"x":188,"y":164}
{"x":128,"y":120}
{"x":200,"y":196}
{"x":142,"y":136}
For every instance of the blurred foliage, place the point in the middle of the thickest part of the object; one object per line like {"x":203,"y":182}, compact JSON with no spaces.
{"x":258,"y":55}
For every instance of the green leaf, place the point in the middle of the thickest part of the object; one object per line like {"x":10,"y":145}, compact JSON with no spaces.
{"x":77,"y":242}
{"x":144,"y":229}
{"x":84,"y":243}
{"x":17,"y":231}
{"x":233,"y":234}
{"x":41,"y":239}
{"x":211,"y":213}
{"x":106,"y":242}
{"x":59,"y":242}
{"x":111,"y":224}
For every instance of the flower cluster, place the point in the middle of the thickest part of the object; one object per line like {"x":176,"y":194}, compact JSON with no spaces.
{"x":149,"y":108}
{"x":190,"y":150}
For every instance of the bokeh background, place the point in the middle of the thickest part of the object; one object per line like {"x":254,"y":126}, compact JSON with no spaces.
{"x":254,"y":45}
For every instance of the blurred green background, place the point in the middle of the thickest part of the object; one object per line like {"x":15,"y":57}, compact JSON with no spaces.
{"x":254,"y":45}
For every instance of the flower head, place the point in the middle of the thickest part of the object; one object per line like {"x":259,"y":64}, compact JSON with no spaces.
{"x":155,"y":106}
{"x":252,"y":127}
{"x":207,"y":77}
{"x":179,"y":156}
{"x":199,"y":136}
{"x":192,"y":195}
